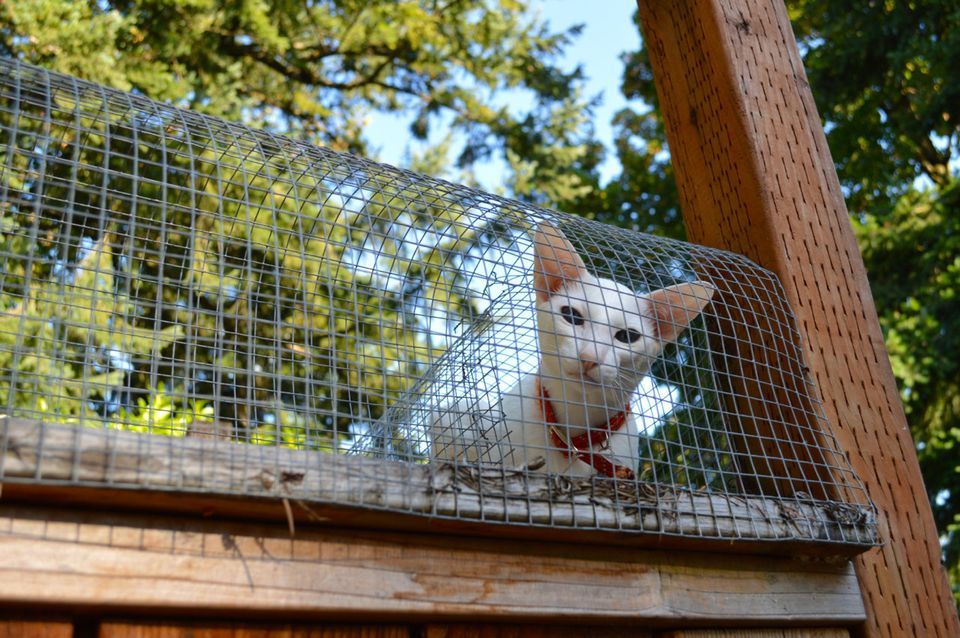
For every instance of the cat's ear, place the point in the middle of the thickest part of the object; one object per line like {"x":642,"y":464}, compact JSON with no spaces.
{"x":555,"y":261}
{"x":674,"y":307}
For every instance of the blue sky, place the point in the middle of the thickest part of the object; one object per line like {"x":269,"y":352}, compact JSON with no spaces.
{"x":608,"y":32}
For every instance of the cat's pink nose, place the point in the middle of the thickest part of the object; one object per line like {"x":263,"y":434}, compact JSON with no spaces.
{"x":588,"y":366}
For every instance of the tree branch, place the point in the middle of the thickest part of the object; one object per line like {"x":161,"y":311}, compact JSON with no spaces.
{"x":935,"y":164}
{"x":306,"y":75}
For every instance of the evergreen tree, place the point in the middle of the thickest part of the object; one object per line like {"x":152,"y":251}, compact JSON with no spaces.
{"x":316,"y":70}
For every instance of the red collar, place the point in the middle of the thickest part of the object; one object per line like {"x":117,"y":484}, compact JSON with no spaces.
{"x":582,"y":445}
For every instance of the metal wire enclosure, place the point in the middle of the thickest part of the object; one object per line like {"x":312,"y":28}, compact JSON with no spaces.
{"x":188,"y":304}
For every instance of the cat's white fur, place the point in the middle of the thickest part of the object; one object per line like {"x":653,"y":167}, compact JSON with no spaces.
{"x":588,"y":373}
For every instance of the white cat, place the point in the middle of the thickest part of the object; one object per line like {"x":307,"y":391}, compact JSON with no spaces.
{"x":597,"y":341}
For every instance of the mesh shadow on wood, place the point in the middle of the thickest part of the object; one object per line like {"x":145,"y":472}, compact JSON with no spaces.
{"x":189,"y":304}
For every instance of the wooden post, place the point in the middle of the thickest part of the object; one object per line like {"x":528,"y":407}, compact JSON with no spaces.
{"x":756,"y":177}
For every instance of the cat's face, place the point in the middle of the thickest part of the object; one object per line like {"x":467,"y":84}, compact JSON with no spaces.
{"x":596,"y":331}
{"x":593,"y":330}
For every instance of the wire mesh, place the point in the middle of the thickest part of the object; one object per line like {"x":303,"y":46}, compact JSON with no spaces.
{"x":190,"y":304}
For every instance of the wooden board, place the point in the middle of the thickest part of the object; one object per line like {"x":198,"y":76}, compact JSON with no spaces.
{"x":34,"y":629}
{"x":124,"y":564}
{"x":759,"y":633}
{"x":236,"y":630}
{"x":755,"y":176}
{"x":43,"y":452}
{"x":531,"y":631}
{"x":195,"y":630}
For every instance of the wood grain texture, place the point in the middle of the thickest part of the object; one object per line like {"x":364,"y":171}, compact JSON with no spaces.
{"x":38,"y":451}
{"x":34,"y":629}
{"x":755,"y":176}
{"x":139,"y":630}
{"x":235,"y":630}
{"x":125,"y":563}
{"x":531,"y":631}
{"x":759,"y":633}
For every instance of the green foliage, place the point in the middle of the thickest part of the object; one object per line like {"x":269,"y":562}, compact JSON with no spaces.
{"x":920,"y":314}
{"x":644,"y":196}
{"x":315,"y":70}
{"x":689,"y":446}
{"x":162,"y":415}
{"x":209,"y":284}
{"x":887,"y":83}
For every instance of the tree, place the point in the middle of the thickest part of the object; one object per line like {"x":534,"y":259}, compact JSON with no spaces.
{"x":156,"y":265}
{"x":887,"y":85}
{"x":316,"y":69}
{"x":312,"y":71}
{"x":885,"y":78}
{"x":309,"y":70}
{"x":644,"y":196}
{"x":883,"y":73}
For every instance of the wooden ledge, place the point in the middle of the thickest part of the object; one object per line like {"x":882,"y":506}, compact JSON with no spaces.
{"x":72,"y":465}
{"x":127,"y":564}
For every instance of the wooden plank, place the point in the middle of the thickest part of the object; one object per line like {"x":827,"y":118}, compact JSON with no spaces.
{"x":126,"y":563}
{"x":755,"y":176}
{"x":34,"y":629}
{"x":234,"y":630}
{"x":232,"y":508}
{"x":759,"y":633}
{"x":38,"y":451}
{"x":531,"y":631}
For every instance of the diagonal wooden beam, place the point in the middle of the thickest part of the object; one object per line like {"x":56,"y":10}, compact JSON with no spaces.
{"x":756,"y":177}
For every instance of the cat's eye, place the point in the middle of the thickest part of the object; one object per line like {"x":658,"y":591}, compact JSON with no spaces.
{"x":628,"y":335}
{"x":572,"y":315}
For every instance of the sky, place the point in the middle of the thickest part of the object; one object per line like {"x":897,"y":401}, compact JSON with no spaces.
{"x":608,"y":32}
